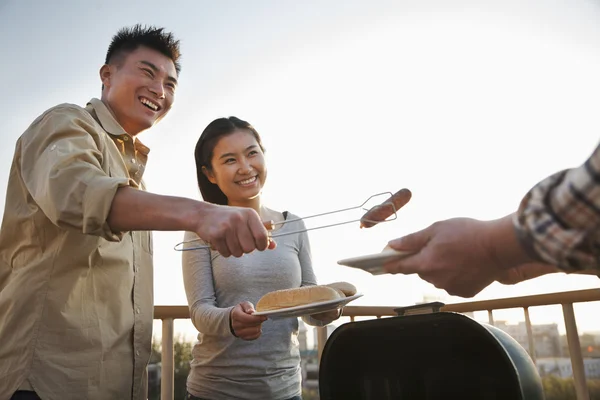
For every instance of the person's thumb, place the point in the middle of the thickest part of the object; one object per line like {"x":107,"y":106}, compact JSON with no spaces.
{"x":412,"y":242}
{"x":247,"y":307}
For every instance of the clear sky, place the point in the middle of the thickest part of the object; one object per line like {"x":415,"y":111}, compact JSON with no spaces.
{"x":466,"y":103}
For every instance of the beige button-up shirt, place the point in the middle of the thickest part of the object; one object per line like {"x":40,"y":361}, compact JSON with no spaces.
{"x":76,"y":298}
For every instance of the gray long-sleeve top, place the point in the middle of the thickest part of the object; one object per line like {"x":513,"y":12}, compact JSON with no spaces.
{"x":225,"y":367}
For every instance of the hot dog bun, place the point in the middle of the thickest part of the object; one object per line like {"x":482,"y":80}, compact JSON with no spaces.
{"x":347,"y":288}
{"x":297,"y":297}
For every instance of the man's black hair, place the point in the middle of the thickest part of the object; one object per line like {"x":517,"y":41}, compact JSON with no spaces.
{"x":129,"y":39}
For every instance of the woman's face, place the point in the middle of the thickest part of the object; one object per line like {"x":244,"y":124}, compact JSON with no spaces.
{"x":238,"y":166}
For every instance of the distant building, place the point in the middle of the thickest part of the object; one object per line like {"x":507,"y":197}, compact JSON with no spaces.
{"x":590,"y":346}
{"x":561,"y":366}
{"x":546,"y":339}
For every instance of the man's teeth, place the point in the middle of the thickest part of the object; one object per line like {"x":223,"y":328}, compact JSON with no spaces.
{"x":247,"y":181}
{"x":150,"y":104}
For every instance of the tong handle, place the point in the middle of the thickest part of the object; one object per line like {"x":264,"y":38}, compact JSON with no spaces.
{"x":179,"y":246}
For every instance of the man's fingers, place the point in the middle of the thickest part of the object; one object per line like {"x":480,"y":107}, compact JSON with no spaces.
{"x":412,"y":264}
{"x":245,"y":238}
{"x":221,"y":246}
{"x":241,"y":232}
{"x":412,"y":242}
{"x":258,"y":231}
{"x":233,"y":243}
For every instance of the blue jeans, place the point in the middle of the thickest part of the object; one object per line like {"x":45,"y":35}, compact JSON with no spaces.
{"x":192,"y":397}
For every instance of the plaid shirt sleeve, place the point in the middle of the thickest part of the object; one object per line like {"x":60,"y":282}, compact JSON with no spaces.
{"x":558,"y":221}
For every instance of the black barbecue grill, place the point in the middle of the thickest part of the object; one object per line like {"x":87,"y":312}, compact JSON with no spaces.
{"x":433,"y":356}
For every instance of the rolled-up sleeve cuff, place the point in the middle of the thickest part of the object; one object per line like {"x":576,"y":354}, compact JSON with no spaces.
{"x":97,"y":202}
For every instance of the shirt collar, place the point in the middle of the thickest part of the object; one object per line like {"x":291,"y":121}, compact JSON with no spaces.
{"x":106,"y":119}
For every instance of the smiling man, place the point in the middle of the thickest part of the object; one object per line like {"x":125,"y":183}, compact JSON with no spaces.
{"x":76,"y":286}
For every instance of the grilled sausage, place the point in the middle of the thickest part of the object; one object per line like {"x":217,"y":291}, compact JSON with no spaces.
{"x":384,"y":210}
{"x":269,"y":225}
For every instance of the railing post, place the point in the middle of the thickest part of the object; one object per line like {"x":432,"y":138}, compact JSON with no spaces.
{"x":167,"y":370}
{"x":491,"y":317}
{"x":529,"y":334}
{"x":575,"y":350}
{"x":321,"y":339}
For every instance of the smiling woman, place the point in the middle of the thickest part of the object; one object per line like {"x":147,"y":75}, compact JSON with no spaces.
{"x":231,"y":170}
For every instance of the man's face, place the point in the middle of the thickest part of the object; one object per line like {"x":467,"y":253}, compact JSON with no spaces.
{"x":139,"y":89}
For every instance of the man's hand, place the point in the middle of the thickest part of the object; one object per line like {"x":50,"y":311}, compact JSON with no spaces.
{"x":234,"y":231}
{"x":525,"y":272}
{"x":245,"y":325}
{"x":461,"y":255}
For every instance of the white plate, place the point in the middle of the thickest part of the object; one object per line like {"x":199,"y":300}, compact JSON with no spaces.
{"x":373,"y":263}
{"x":308,"y":309}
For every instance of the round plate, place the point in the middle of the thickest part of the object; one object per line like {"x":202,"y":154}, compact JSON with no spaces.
{"x":373,"y":263}
{"x":308,"y":309}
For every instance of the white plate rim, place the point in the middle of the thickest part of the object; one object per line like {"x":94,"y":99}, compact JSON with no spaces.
{"x":320,"y":304}
{"x":388,"y":254}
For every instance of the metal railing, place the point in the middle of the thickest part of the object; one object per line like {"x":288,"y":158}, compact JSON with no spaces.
{"x":566,"y":299}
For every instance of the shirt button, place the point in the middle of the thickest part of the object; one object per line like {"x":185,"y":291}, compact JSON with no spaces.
{"x":137,"y":353}
{"x":125,"y":138}
{"x":133,"y":160}
{"x":137,"y":310}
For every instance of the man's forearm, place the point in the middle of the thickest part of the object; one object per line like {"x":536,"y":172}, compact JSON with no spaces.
{"x":134,"y":209}
{"x":504,"y":244}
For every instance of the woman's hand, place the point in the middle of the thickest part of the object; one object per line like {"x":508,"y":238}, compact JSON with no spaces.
{"x":243,"y":324}
{"x":328,"y":317}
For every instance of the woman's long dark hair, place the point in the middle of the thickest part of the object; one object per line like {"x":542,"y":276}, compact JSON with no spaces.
{"x":204,"y":153}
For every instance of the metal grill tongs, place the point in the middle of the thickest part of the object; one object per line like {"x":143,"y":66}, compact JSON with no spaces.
{"x":270,"y":225}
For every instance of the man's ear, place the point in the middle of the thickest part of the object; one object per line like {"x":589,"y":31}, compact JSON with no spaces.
{"x":209,"y":175}
{"x":105,"y":75}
